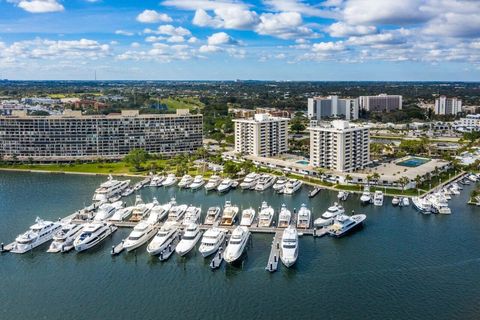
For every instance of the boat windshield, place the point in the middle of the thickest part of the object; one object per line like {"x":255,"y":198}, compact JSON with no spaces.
{"x":189,"y":237}
{"x":134,"y":238}
{"x":289,"y":245}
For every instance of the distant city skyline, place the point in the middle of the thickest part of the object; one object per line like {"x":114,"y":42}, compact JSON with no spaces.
{"x":333,"y":40}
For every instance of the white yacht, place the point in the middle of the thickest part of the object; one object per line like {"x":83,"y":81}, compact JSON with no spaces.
{"x":304,"y":217}
{"x":92,"y":234}
{"x":211,"y":241}
{"x":422,"y":205}
{"x":121,"y":214}
{"x":170,"y":180}
{"x":236,"y":244}
{"x":164,"y":237}
{"x":109,"y":189}
{"x":186,"y":181}
{"x":250,"y":181}
{"x":63,"y":238}
{"x":289,"y":250}
{"x":292,"y":186}
{"x":197,"y":182}
{"x":248,"y":215}
{"x":378,"y":198}
{"x":156,"y":181}
{"x":39,"y":233}
{"x":265,"y":182}
{"x":192,"y":215}
{"x":229,"y":214}
{"x":128,"y":191}
{"x":177,"y":211}
{"x":141,"y":233}
{"x":212,"y":215}
{"x":189,"y":239}
{"x":329,"y":215}
{"x":265,"y":216}
{"x":284,"y":217}
{"x":366,"y":196}
{"x":405,"y":202}
{"x":213,"y":183}
{"x":107,"y":210}
{"x":140,"y":210}
{"x":225,"y":185}
{"x":160,"y":210}
{"x":344,"y":224}
{"x":395,"y":201}
{"x":472,"y":177}
{"x":343,"y":195}
{"x":280,"y":184}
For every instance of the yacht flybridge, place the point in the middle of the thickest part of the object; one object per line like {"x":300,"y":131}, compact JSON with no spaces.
{"x":284,"y":217}
{"x":248,"y":215}
{"x":265,"y":216}
{"x":164,"y":238}
{"x":212,"y":215}
{"x":211,"y":241}
{"x":229,"y":214}
{"x":236,"y":244}
{"x":289,"y":246}
{"x":304,"y":217}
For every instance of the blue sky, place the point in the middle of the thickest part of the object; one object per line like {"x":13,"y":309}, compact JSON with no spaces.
{"x":232,"y":39}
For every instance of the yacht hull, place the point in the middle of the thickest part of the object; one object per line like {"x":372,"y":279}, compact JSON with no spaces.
{"x":90,"y":244}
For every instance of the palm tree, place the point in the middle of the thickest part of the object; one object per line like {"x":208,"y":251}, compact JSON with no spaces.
{"x":403,"y":181}
{"x":376,"y":176}
{"x":348,"y":178}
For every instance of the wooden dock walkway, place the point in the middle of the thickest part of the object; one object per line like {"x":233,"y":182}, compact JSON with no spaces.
{"x":274,"y":257}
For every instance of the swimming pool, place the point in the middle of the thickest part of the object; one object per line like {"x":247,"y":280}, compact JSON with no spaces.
{"x":413,"y":162}
{"x":303,"y":162}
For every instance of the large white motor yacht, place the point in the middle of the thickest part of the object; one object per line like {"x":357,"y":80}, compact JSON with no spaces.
{"x":304,"y":217}
{"x":329,"y":215}
{"x":378,"y":198}
{"x":141,"y":233}
{"x":164,"y":237}
{"x":160,"y":210}
{"x":248,"y":215}
{"x":422,"y":205}
{"x":140,"y":210}
{"x":197,"y":182}
{"x":225,"y":185}
{"x":265,"y":182}
{"x":213,"y":183}
{"x":211,"y":241}
{"x":292,"y":186}
{"x":107,"y":210}
{"x":186,"y":181}
{"x":366,"y":196}
{"x":109,"y":189}
{"x":156,"y":181}
{"x":63,"y":238}
{"x":284,"y":217}
{"x":192,"y":215}
{"x":92,"y":234}
{"x":170,"y":180}
{"x":265,"y":216}
{"x":250,"y":181}
{"x":279,"y":185}
{"x":289,"y":250}
{"x":189,"y":239}
{"x":237,"y":243}
{"x":344,"y":224}
{"x":229,"y":214}
{"x":121,"y":214}
{"x":212,"y":215}
{"x":39,"y":233}
{"x":177,"y":211}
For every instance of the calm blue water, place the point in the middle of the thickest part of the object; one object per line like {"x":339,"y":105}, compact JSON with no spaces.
{"x":401,"y":265}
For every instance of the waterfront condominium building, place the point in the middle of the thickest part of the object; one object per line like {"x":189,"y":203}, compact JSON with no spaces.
{"x":339,"y":145}
{"x":261,"y":136}
{"x":74,"y":136}
{"x":327,"y":107}
{"x":446,"y":106}
{"x":468,"y":124}
{"x":381,"y":103}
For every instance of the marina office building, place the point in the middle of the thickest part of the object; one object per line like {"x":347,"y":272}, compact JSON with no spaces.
{"x":327,"y":107}
{"x":381,"y":103}
{"x":339,"y":145}
{"x":73,"y":136}
{"x":262,"y":136}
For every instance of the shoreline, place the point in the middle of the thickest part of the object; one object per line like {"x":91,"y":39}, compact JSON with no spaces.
{"x":75,"y":172}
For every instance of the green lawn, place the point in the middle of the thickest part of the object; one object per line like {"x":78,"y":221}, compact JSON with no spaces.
{"x":182,"y":103}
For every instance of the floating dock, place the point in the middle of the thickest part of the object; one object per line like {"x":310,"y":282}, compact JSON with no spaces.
{"x":116,"y":250}
{"x":272,"y":264}
{"x":165,"y":254}
{"x":218,"y":259}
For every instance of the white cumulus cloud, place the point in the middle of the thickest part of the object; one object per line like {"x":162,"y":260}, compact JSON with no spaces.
{"x":152,"y":16}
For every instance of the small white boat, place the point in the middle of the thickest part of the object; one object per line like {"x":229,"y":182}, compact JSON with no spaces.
{"x":265,"y":216}
{"x":39,"y":233}
{"x":140,"y":234}
{"x":213,"y":183}
{"x":343,"y":224}
{"x":289,"y":246}
{"x":304,"y":217}
{"x":328,"y":216}
{"x":395,"y":201}
{"x":237,"y":243}
{"x":473,"y":177}
{"x":211,"y":241}
{"x":197,"y":183}
{"x":164,"y":238}
{"x":170,"y":180}
{"x":225,"y":185}
{"x":343,"y":195}
{"x":292,"y":186}
{"x":404,"y":202}
{"x":280,"y":184}
{"x":212,"y":215}
{"x":378,"y":198}
{"x":92,"y":234}
{"x":107,"y":210}
{"x":186,"y":181}
{"x":366,"y":196}
{"x":248,"y":215}
{"x":128,"y":191}
{"x":250,"y":181}
{"x":189,"y":239}
{"x":284,"y":217}
{"x":265,"y":182}
{"x":229,"y":214}
{"x":156,"y":181}
{"x":63,"y":238}
{"x":192,"y":215}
